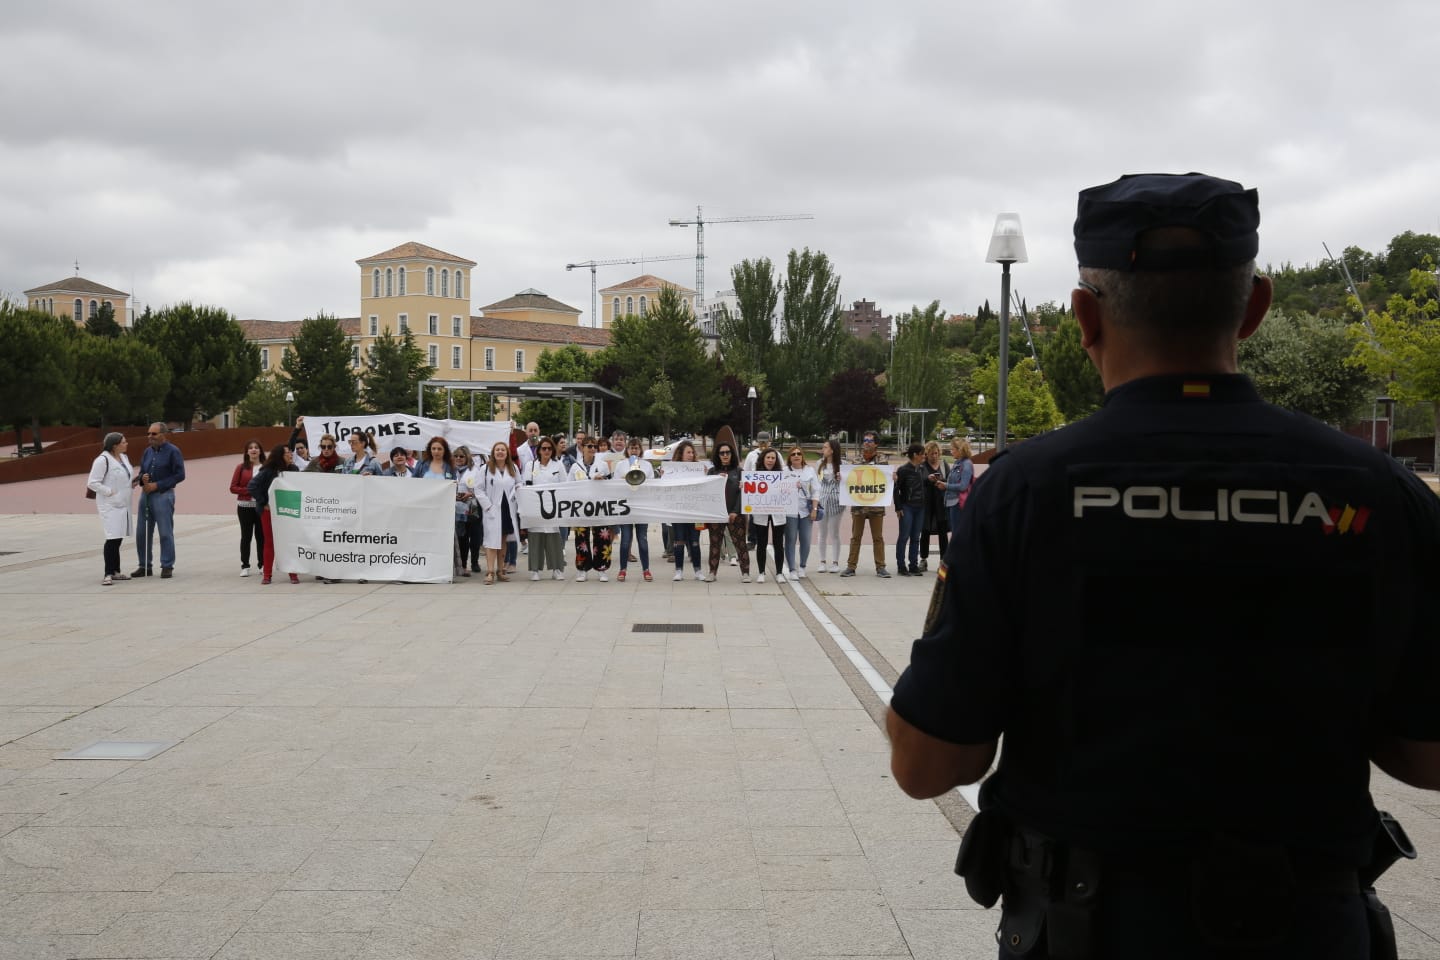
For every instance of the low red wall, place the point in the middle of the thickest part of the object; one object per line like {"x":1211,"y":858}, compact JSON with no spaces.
{"x":194,"y":445}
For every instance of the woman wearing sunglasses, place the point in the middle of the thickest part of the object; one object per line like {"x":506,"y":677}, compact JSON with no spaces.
{"x":727,"y":465}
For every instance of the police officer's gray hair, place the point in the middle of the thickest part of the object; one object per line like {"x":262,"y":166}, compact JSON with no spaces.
{"x":112,"y":440}
{"x":1175,"y":307}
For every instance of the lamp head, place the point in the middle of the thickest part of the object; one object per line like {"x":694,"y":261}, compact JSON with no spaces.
{"x":1007,"y":241}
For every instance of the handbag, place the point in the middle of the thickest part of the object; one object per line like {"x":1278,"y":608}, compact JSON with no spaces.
{"x":819,"y":511}
{"x":90,"y":494}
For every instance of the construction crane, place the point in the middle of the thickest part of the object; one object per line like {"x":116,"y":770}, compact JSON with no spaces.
{"x":592,"y":264}
{"x":699,"y":224}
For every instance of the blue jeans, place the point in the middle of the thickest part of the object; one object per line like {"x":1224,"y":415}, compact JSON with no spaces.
{"x":797,"y":530}
{"x":157,"y":512}
{"x":626,"y":533}
{"x":684,"y":536}
{"x":912,"y":528}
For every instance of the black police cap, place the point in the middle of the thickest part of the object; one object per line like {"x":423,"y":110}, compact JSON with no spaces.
{"x":1112,"y":218}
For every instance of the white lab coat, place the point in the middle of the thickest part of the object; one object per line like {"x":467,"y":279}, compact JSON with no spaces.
{"x":113,"y":494}
{"x":492,"y":488}
{"x":544,"y":473}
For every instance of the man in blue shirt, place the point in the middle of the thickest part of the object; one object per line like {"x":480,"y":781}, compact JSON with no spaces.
{"x":161,"y":469}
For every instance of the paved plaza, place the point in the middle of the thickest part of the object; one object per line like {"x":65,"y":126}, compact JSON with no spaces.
{"x":461,"y":771}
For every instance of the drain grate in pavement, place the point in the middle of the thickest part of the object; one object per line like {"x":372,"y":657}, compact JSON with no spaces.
{"x":119,"y":750}
{"x":668,"y":628}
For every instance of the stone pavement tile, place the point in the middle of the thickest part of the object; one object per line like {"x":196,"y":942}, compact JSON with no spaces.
{"x":703,"y":935}
{"x":86,"y":858}
{"x":943,"y":934}
{"x":771,"y":744}
{"x":33,"y":914}
{"x":718,"y":745}
{"x":459,"y":890}
{"x":676,"y":723}
{"x":407,"y":941}
{"x":511,"y":832}
{"x":40,"y":796}
{"x":257,"y":849}
{"x":517,"y":784}
{"x":212,"y":892}
{"x":1419,"y":913}
{"x":44,"y":946}
{"x":294,"y":945}
{"x":163,"y":935}
{"x":411,"y":796}
{"x":816,"y":873}
{"x":592,"y":844}
{"x":320,"y":911}
{"x":703,"y":779}
{"x":805,"y":924}
{"x":919,"y":874}
{"x":794,"y":808}
{"x":763,"y":718}
{"x":702,"y":875}
{"x":926,"y":822}
{"x":575,"y":800}
{"x":10,"y":822}
{"x":698,"y":820}
{"x":691,"y":692}
{"x":359,"y":865}
{"x":390,"y":826}
{"x":1414,"y":940}
{"x":771,"y":694}
{"x":784,"y":775}
{"x":574,"y":915}
{"x":841,"y":733}
{"x":805,"y":841}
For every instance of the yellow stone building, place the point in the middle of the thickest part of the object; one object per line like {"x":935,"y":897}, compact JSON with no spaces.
{"x":635,"y":296}
{"x":78,"y":299}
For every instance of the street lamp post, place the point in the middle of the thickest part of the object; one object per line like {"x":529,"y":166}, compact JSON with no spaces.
{"x":1389,"y":403}
{"x":289,"y":402}
{"x":750,"y":395}
{"x":980,"y":402}
{"x":1007,"y":246}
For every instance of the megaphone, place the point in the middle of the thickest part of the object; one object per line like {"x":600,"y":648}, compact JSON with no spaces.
{"x":635,"y":476}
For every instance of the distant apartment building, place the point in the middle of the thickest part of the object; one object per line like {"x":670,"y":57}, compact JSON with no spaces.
{"x":864,"y":319}
{"x":635,"y":297}
{"x":78,"y":299}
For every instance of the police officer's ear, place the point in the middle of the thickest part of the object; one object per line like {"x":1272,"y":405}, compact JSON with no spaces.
{"x":1086,"y":307}
{"x":1261,"y":293}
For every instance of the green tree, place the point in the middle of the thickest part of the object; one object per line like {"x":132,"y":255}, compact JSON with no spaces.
{"x":662,"y":404}
{"x":103,"y":324}
{"x":811,"y":342}
{"x":1404,"y":347}
{"x":211,"y":363}
{"x":264,"y":405}
{"x":1029,"y":407}
{"x":569,"y":364}
{"x":1074,"y":381}
{"x":1301,"y":362}
{"x":867,"y":353}
{"x":37,"y":368}
{"x":665,"y":342}
{"x":117,"y":379}
{"x":747,"y":338}
{"x":394,"y":369}
{"x":852,"y":401}
{"x":318,"y":367}
{"x":920,"y":375}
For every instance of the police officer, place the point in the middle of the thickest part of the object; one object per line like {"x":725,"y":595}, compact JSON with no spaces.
{"x":1196,"y":619}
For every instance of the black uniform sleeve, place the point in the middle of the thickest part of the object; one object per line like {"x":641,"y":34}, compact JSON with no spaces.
{"x":955,"y":688}
{"x":1412,"y":708}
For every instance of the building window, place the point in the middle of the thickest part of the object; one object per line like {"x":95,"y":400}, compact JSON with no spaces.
{"x":374,"y":326}
{"x":264,"y":358}
{"x":434,"y":325}
{"x":454,"y":358}
{"x":402,"y":281}
{"x":375,"y":283}
{"x":615,"y":309}
{"x":79,"y":310}
{"x":434,"y":355}
{"x":459,"y":284}
{"x":404,"y":324}
{"x":454,"y":326}
{"x":519,"y":361}
{"x":355,"y":356}
{"x":642,"y":306}
{"x":444,"y":283}
{"x":389,"y":282}
{"x":93,"y":307}
{"x":629,"y":306}
{"x":489,"y":358}
{"x":429,"y":281}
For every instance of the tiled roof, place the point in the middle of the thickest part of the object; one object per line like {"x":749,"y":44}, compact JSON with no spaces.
{"x":417,"y":251}
{"x":78,"y":285}
{"x":285,"y":329}
{"x":531,"y":299}
{"x":646,"y":281}
{"x":499,"y":328}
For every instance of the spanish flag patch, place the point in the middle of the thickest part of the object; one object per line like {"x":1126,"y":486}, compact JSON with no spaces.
{"x":1196,"y":389}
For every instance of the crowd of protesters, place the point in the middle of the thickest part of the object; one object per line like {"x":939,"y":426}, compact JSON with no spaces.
{"x":928,"y":494}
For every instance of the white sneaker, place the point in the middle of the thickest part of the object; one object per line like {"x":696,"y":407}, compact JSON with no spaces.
{"x":779,"y":578}
{"x":679,"y":575}
{"x":244,"y":571}
{"x":745,"y":577}
{"x":580,"y":577}
{"x":761,"y":579}
{"x":604,"y":578}
{"x":558,"y":575}
{"x":800,"y":574}
{"x":525,"y":549}
{"x":734,"y":562}
{"x":534,"y":575}
{"x":699,"y":576}
{"x":835,"y":566}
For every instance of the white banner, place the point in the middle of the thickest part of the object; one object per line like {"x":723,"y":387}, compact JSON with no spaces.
{"x":767,"y":493}
{"x":615,"y":503}
{"x":400,"y":430}
{"x":359,"y":528}
{"x":867,"y":485}
{"x":684,"y":468}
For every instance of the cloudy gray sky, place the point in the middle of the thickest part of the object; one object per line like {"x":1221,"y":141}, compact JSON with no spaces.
{"x":246,"y":155}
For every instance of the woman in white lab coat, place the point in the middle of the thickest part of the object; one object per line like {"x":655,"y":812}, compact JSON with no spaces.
{"x":500,"y":508}
{"x":111,"y":480}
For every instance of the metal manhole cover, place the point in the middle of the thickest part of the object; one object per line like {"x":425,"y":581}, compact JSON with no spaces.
{"x":668,"y":628}
{"x":119,"y":750}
